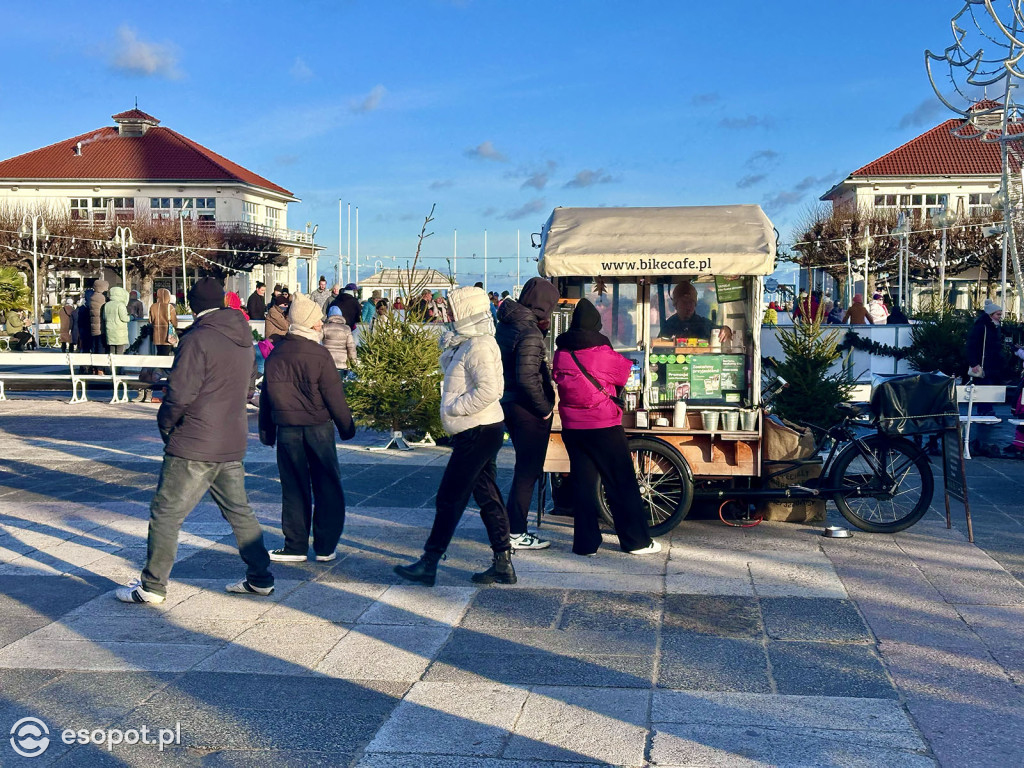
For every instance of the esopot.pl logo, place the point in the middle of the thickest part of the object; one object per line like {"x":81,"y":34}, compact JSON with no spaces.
{"x":30,"y":737}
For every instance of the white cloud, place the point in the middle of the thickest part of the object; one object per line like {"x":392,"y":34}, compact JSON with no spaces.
{"x":746,"y":123}
{"x":588,"y":178}
{"x":534,"y":206}
{"x":442,"y":184}
{"x":486,"y":151}
{"x":751,"y":180}
{"x":300,"y":70}
{"x":137,"y":57}
{"x":927,"y":112}
{"x":371,"y":101}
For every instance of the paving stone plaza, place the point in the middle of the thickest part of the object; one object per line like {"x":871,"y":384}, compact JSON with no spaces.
{"x":768,"y":646}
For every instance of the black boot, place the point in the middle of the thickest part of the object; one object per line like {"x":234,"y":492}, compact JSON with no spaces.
{"x":423,"y":570}
{"x":501,"y":570}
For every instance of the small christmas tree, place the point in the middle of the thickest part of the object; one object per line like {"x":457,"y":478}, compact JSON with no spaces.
{"x":398,"y":373}
{"x":14,"y":294}
{"x":813,"y":391}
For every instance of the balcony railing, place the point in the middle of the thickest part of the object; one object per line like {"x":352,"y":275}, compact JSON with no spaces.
{"x":278,"y":233}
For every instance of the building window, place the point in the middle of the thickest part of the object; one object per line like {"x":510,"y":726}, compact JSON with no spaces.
{"x":273,"y":221}
{"x":979,"y":204}
{"x":917,"y":206}
{"x":250,"y":212}
{"x":80,"y":209}
{"x":203,"y":209}
{"x":160,"y":208}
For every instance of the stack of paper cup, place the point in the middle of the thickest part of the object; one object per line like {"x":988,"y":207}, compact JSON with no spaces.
{"x":679,"y":416}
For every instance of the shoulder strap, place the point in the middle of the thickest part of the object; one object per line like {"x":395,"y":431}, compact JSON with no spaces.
{"x":586,"y":373}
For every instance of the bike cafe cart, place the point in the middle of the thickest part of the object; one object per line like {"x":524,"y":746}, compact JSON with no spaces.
{"x":680,"y":292}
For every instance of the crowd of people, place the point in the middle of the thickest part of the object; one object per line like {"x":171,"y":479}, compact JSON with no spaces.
{"x":815,"y":307}
{"x":496,"y":378}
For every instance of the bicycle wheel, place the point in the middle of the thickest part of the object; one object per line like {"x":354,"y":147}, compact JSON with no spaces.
{"x":666,"y":485}
{"x":865,"y":502}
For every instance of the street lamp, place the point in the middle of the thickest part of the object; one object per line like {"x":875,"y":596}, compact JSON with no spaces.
{"x":312,"y":256}
{"x":867,"y":241}
{"x":38,"y":228}
{"x":123,"y":237}
{"x":943,"y":218}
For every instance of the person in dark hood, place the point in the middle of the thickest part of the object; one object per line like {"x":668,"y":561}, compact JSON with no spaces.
{"x":528,"y":401}
{"x":276,"y":324}
{"x":204,"y":427}
{"x":349,"y":305}
{"x":986,"y":365}
{"x":587,"y":372}
{"x":84,"y":326}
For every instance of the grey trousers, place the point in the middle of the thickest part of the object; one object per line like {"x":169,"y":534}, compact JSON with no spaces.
{"x":183,"y":483}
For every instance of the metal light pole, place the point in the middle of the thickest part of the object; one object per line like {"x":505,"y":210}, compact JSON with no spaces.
{"x":310,"y":270}
{"x":867,"y":269}
{"x":519,"y":285}
{"x":455,"y":256}
{"x":38,"y":228}
{"x":942,"y":218}
{"x":849,"y":274}
{"x":123,"y":237}
{"x":184,"y":273}
{"x":357,"y":245}
{"x":485,"y":260}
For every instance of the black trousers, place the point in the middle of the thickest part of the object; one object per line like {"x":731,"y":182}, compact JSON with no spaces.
{"x":604,"y":453}
{"x":471,"y":470}
{"x":311,"y":493}
{"x":530,"y":439}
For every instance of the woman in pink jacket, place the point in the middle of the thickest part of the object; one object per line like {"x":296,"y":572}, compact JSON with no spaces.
{"x":593,"y":435}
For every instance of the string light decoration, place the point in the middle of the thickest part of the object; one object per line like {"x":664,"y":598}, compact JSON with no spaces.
{"x":994,"y":63}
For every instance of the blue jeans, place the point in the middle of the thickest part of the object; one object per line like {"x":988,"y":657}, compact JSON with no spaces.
{"x":183,"y":482}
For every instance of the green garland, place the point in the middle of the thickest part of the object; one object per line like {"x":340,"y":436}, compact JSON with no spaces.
{"x":854,"y":340}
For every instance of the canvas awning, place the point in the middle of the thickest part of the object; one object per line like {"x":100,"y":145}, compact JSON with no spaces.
{"x":697,"y":240}
{"x":404,"y":280}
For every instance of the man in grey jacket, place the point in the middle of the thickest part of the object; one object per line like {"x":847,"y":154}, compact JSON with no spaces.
{"x":204,"y":426}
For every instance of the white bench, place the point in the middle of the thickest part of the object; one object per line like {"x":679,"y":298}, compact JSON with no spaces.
{"x":39,"y":361}
{"x":978,"y":393}
{"x":119,"y":370}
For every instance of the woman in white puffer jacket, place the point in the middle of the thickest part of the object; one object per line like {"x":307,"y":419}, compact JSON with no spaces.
{"x":471,"y":413}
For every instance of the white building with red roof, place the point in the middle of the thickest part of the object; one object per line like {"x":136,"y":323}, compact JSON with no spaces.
{"x":938,"y":168}
{"x":138,"y":168}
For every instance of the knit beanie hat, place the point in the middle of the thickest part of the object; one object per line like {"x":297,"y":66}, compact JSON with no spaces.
{"x":991,"y":306}
{"x":858,"y":298}
{"x":334,"y":311}
{"x":304,"y":312}
{"x":206,"y":294}
{"x":585,"y":317}
{"x":540,"y":296}
{"x":467,"y":302}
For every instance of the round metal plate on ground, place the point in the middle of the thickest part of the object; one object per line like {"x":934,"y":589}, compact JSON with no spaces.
{"x":835,"y":532}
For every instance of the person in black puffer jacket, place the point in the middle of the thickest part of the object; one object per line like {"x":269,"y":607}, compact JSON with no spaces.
{"x":301,"y":403}
{"x":529,"y":398}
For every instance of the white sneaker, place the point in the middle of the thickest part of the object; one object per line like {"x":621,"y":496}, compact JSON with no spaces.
{"x":133,"y":592}
{"x":650,"y":549}
{"x":528,"y":541}
{"x":326,"y":558}
{"x":243,"y":587}
{"x":280,"y":556}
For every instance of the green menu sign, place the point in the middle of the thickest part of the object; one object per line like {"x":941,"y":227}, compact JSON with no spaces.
{"x":705,"y":376}
{"x":730,"y":289}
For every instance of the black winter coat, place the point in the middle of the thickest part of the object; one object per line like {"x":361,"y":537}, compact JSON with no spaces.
{"x":302,"y":388}
{"x":96,"y":303}
{"x":203,"y":414}
{"x":350,"y":308}
{"x":524,"y":360}
{"x":985,"y":348}
{"x":256,"y":307}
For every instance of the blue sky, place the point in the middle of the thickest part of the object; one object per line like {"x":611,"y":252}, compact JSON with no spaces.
{"x":495,"y":110}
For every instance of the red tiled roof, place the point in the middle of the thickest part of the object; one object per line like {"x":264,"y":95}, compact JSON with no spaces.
{"x":159,"y":155}
{"x":134,"y":114}
{"x":939,"y":152}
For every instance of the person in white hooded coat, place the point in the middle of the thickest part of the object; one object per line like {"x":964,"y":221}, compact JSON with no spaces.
{"x":471,"y":413}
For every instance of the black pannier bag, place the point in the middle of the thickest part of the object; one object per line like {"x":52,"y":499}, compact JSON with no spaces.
{"x":916,"y":404}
